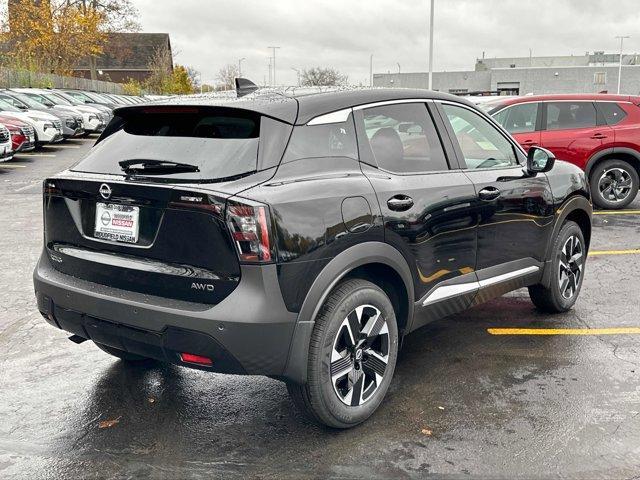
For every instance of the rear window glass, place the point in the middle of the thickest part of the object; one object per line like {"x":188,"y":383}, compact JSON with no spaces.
{"x":221,"y":142}
{"x":612,"y":112}
{"x":318,"y":141}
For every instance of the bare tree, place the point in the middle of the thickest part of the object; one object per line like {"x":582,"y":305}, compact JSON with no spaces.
{"x":227,"y":75}
{"x":322,"y":76}
{"x":160,"y":67}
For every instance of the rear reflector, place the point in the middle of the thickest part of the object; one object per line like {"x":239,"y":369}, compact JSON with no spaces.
{"x":191,"y":358}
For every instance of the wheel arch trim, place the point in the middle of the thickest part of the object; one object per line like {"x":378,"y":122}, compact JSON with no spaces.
{"x":339,"y":267}
{"x":575,"y":202}
{"x":596,"y":157}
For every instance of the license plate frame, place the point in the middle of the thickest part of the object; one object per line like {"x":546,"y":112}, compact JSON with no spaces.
{"x":117,"y":223}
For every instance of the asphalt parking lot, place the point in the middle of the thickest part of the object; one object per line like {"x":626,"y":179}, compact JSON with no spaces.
{"x":465,"y":402}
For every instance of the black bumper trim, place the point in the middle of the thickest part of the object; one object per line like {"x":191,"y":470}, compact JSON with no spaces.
{"x":164,"y":346}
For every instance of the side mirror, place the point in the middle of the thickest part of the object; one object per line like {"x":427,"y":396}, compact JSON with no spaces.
{"x":540,"y":160}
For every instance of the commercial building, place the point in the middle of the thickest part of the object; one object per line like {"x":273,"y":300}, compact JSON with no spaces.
{"x":588,"y":73}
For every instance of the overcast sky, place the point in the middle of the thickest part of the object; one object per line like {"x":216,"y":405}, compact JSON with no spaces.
{"x":208,"y":34}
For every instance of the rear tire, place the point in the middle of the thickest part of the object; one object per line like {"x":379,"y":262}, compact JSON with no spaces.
{"x":352,"y":356}
{"x":122,"y":355}
{"x":614,"y":184}
{"x":567,"y":271}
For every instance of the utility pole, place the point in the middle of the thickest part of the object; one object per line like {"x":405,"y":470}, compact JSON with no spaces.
{"x":297,"y":74}
{"x":398,"y":68}
{"x":371,"y":70}
{"x":270,"y":77}
{"x":431,"y":46}
{"x":621,"y":37}
{"x":273,"y":63}
{"x":240,"y":66}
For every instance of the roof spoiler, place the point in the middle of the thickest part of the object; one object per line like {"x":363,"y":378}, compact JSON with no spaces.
{"x":245,"y":87}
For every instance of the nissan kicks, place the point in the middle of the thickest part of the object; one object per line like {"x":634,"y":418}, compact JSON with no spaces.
{"x":301,"y":235}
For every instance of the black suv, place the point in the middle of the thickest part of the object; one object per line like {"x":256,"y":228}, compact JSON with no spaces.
{"x":301,"y":235}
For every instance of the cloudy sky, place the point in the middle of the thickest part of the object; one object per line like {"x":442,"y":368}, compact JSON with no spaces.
{"x":207,"y":34}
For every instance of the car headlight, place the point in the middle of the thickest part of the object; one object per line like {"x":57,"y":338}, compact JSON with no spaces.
{"x":70,"y":122}
{"x":48,"y":125}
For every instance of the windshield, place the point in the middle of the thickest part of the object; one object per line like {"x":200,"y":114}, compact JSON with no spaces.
{"x":7,"y":107}
{"x":68,"y":98}
{"x":56,"y":99}
{"x":221,"y":142}
{"x":30,"y":102}
{"x":98,"y":98}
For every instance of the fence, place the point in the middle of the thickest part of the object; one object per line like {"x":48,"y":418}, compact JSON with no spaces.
{"x":10,"y":78}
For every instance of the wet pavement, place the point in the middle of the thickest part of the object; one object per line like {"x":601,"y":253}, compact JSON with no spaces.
{"x":463,"y":403}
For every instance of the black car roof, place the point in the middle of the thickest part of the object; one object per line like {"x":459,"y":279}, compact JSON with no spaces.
{"x":299,"y":105}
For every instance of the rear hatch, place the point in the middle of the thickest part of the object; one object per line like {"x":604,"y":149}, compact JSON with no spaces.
{"x":149,"y":209}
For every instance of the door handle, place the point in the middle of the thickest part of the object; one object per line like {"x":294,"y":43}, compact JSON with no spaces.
{"x":400,"y":203}
{"x":489,"y":193}
{"x":529,"y":143}
{"x":598,"y":136}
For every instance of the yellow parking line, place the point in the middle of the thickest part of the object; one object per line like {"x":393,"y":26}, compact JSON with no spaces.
{"x":617,"y":212}
{"x":565,"y":331}
{"x":4,"y":165}
{"x":632,"y":251}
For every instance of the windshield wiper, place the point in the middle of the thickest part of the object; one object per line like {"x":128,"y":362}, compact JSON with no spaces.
{"x":155,"y":167}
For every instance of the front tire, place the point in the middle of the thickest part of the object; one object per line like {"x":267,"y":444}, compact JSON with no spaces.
{"x":614,"y":184}
{"x":352,"y":356}
{"x":567,"y":271}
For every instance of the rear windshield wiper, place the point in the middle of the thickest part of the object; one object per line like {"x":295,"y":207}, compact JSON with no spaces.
{"x":155,"y":167}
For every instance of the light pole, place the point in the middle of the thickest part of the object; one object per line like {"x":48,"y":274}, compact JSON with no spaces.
{"x":621,"y":37}
{"x":398,"y":68}
{"x":431,"y":47}
{"x":297,"y":74}
{"x":371,"y":70}
{"x":273,"y":63}
{"x":240,"y":66}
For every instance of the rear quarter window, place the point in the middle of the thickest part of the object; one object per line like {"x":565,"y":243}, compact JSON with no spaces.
{"x":612,"y":112}
{"x":322,"y":141}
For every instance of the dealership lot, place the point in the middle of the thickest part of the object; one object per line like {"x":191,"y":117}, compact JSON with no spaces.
{"x":465,"y":400}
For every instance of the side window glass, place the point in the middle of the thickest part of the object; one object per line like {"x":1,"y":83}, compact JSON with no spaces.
{"x":326,"y":140}
{"x":612,"y":112}
{"x":568,"y":115}
{"x":518,"y":118}
{"x":482,"y":144}
{"x":403,"y":138}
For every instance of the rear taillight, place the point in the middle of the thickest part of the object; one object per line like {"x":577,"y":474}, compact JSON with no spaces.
{"x":250,"y":227}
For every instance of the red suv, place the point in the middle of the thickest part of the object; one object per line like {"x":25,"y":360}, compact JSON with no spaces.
{"x":598,"y":133}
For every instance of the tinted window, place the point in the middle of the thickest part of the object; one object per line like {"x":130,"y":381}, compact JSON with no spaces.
{"x":221,"y":142}
{"x":518,"y":118}
{"x":482,"y":144}
{"x":567,"y":115}
{"x":316,"y":141}
{"x":612,"y":112}
{"x":403,"y":138}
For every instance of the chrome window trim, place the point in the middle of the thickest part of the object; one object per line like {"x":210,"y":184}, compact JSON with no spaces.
{"x":339,"y":116}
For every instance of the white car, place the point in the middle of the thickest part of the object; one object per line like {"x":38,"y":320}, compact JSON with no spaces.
{"x":92,"y":118}
{"x":6,"y":153}
{"x":48,"y":128}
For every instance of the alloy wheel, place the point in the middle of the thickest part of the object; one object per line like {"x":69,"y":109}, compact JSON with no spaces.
{"x":571,"y":265}
{"x":615,"y":184}
{"x":360,"y":355}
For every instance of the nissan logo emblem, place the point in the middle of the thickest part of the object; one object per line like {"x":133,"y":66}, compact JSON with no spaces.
{"x":105,"y":191}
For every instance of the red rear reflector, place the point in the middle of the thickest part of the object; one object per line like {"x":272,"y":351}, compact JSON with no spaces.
{"x":191,"y":358}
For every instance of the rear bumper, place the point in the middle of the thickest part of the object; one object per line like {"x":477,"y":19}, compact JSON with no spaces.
{"x":248,"y":332}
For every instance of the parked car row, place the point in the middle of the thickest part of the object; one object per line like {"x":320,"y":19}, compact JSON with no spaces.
{"x":32,"y":117}
{"x":597,"y":132}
